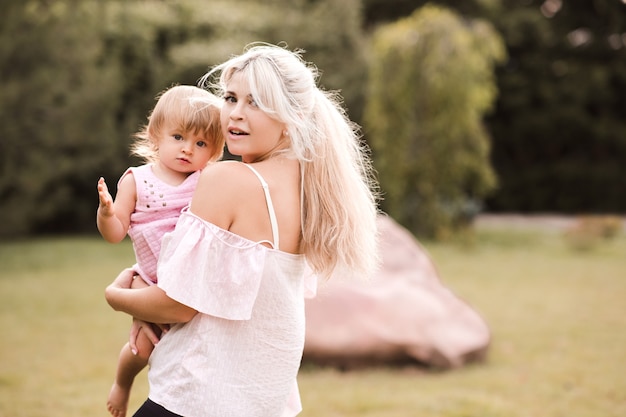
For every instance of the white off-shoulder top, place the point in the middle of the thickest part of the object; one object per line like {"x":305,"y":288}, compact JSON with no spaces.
{"x":240,"y":355}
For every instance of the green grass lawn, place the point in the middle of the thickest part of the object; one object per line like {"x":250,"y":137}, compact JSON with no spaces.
{"x":558,"y":319}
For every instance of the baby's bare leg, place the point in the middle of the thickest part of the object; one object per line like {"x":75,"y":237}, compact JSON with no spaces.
{"x":129,"y":365}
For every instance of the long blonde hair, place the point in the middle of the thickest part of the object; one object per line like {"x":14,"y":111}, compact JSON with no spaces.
{"x":191,"y":109}
{"x":339,"y":189}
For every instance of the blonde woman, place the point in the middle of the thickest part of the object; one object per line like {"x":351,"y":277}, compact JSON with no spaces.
{"x":233,"y":273}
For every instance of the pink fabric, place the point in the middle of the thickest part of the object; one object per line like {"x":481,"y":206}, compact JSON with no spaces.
{"x":157,"y":209}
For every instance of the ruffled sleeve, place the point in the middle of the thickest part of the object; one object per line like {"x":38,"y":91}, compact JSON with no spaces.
{"x":209,"y":269}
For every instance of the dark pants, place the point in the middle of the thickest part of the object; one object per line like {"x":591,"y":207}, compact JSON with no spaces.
{"x":152,"y":409}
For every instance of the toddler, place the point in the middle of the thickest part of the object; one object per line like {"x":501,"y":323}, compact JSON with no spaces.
{"x":182,"y":136}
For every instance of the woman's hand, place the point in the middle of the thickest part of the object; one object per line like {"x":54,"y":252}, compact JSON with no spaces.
{"x":124,"y":280}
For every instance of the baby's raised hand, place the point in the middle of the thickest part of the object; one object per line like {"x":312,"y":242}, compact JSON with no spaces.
{"x":106,"y":200}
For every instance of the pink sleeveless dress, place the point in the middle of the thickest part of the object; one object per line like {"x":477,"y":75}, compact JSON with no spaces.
{"x":157,"y":210}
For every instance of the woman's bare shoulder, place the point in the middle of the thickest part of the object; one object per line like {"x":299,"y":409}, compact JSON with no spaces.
{"x":221,"y":190}
{"x":222,"y":169}
{"x":225,"y":175}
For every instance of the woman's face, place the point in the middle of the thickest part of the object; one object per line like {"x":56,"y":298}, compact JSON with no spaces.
{"x":249,"y":132}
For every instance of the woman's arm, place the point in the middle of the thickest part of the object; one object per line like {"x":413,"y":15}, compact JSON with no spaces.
{"x":150,"y":304}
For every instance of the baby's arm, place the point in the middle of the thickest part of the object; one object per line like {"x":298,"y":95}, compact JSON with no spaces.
{"x":113,"y":217}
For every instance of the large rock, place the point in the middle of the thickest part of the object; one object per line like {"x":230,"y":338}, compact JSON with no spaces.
{"x":403,"y":314}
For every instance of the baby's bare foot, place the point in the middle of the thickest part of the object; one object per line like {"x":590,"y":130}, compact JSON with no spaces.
{"x":117,"y":403}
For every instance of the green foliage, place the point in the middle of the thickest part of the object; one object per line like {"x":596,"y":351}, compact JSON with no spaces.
{"x":590,"y":231}
{"x":79,"y":78}
{"x":431,"y":81}
{"x":377,"y":12}
{"x":56,"y":113}
{"x":560,"y":136}
{"x":558,"y":129}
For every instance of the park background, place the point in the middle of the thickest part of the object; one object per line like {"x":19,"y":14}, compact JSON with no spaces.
{"x":472,"y":109}
{"x":469,"y":106}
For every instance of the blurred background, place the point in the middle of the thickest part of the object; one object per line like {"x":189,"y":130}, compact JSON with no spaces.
{"x":480,"y":114}
{"x":469,"y":106}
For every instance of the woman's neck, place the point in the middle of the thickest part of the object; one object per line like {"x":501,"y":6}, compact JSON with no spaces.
{"x":274,"y":153}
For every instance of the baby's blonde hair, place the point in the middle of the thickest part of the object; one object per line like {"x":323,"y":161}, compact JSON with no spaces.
{"x":193,"y":109}
{"x":339,"y":190}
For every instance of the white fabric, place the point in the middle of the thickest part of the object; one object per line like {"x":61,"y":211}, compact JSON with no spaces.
{"x":241,"y":355}
{"x":226,"y":269}
{"x":270,"y":208}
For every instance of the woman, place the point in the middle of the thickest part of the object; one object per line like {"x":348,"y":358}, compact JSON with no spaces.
{"x":232,"y":274}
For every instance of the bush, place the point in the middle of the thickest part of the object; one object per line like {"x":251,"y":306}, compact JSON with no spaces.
{"x":431,"y":81}
{"x":588,"y":231}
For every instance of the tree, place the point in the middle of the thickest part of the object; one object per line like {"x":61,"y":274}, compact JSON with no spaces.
{"x":431,"y":80}
{"x":50,"y":138}
{"x":79,"y":78}
{"x":559,"y":128}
